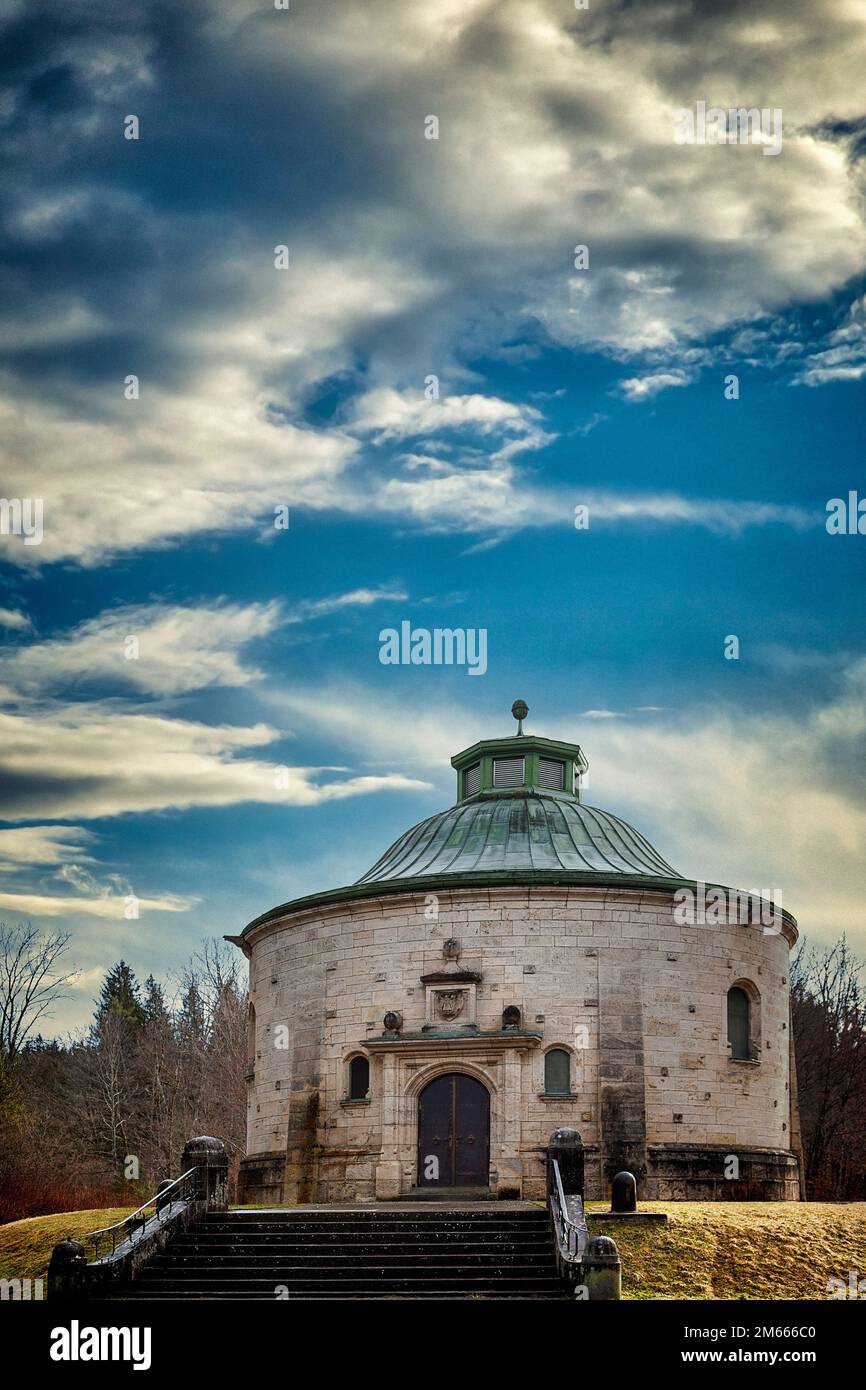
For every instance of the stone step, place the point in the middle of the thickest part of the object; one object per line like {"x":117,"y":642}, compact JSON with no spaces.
{"x":418,"y":1216}
{"x":134,"y":1293}
{"x":416,"y":1213}
{"x":418,"y":1269}
{"x":454,"y":1244}
{"x":314,"y":1256}
{"x":304,"y":1232}
{"x":350,"y":1254}
{"x":430,"y":1230}
{"x":434,"y":1281}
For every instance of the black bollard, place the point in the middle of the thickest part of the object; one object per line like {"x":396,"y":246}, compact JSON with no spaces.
{"x":66,"y":1270}
{"x":623,"y":1193}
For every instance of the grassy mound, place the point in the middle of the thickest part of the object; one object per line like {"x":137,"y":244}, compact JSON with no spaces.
{"x":729,"y":1250}
{"x":25,"y":1246}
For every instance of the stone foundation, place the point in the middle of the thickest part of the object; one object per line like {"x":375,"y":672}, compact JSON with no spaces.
{"x":261,"y":1178}
{"x":696,"y":1173}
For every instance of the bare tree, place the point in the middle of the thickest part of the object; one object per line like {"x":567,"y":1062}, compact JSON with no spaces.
{"x":29,"y":982}
{"x":829,"y":1015}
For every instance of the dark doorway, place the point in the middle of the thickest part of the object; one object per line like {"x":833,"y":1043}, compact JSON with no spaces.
{"x":454,"y":1133}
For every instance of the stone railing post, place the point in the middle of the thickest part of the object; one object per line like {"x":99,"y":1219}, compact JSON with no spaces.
{"x":566,"y":1146}
{"x":208,"y":1156}
{"x":602,"y":1270}
{"x":67,"y":1270}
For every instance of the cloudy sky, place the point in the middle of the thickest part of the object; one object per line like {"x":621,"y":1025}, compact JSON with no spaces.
{"x":193,"y":709}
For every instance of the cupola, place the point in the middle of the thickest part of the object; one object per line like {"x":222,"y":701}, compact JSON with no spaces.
{"x":519,"y":763}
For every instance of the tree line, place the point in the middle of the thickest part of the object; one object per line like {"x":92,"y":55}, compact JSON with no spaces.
{"x":99,"y":1119}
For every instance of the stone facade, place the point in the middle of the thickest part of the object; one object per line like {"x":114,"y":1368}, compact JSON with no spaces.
{"x":637,"y":999}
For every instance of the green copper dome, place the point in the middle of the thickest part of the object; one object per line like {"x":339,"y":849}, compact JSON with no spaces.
{"x":519,"y":820}
{"x":519,"y":812}
{"x":516,"y":833}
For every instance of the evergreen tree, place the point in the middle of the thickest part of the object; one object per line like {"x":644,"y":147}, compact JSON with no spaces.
{"x":154,"y":1006}
{"x":119,"y":996}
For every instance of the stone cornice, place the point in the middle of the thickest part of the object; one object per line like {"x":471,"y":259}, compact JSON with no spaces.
{"x":365,"y":899}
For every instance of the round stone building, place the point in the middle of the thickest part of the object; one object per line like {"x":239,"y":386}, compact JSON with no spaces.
{"x":515,"y":964}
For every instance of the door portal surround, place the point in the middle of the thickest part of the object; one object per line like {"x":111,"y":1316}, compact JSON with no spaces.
{"x":409,"y":1064}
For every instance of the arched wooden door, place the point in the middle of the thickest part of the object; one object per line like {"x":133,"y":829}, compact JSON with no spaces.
{"x":454,"y":1133}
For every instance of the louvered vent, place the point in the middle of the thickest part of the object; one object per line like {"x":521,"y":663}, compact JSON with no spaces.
{"x":472,"y":780}
{"x":508,"y":772}
{"x":551,"y":773}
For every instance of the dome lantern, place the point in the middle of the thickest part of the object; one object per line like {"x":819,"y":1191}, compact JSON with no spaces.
{"x":518,"y":763}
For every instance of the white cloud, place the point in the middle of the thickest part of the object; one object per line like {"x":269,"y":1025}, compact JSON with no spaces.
{"x":390,"y":415}
{"x":643,"y":388}
{"x":86,"y":761}
{"x":177,"y":649}
{"x":14,"y":618}
{"x":161,"y":468}
{"x":473,"y":499}
{"x":44,"y":844}
{"x":355,"y":598}
{"x":843,"y":354}
{"x":110,"y":906}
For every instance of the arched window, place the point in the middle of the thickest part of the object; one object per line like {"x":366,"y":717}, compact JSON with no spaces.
{"x":359,"y":1078}
{"x":557,"y":1072}
{"x":738,"y":1024}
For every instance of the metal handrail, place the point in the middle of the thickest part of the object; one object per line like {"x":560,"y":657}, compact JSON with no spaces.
{"x":566,"y":1229}
{"x":158,"y":1201}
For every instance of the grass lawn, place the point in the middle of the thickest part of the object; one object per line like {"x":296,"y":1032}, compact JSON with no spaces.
{"x":728,"y":1250}
{"x":25,"y":1246}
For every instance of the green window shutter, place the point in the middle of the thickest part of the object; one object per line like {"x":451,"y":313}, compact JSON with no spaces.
{"x":738,"y":1024}
{"x":557,"y":1072}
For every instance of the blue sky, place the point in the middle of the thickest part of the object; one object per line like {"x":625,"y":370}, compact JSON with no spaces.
{"x":305,"y":387}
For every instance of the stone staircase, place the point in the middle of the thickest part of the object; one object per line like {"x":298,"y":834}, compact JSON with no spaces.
{"x":399,"y":1251}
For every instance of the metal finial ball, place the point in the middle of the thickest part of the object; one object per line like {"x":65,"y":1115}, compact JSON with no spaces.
{"x":520,"y":709}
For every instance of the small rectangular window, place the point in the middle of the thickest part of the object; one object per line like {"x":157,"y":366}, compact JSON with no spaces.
{"x":508,"y":772}
{"x":472,"y":780}
{"x":551,"y":773}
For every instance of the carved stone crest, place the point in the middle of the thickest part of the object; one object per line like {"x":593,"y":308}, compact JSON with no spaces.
{"x":450,"y":1002}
